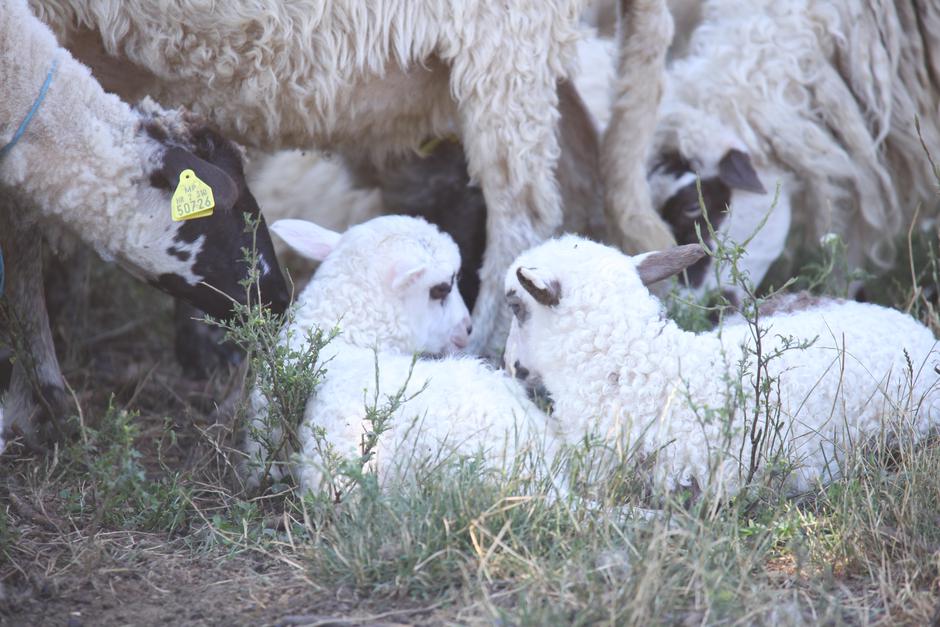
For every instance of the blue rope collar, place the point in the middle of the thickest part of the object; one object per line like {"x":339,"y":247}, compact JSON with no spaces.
{"x":21,"y":130}
{"x":29,"y":117}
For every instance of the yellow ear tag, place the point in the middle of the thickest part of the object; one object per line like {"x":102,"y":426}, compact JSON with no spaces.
{"x":192,"y":198}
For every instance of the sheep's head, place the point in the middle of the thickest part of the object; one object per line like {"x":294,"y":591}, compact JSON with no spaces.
{"x":202,"y":260}
{"x":393,"y":278}
{"x":574,"y":294}
{"x":691,"y":146}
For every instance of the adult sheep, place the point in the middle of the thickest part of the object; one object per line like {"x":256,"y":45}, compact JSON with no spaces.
{"x":374,"y":78}
{"x":389,"y":285}
{"x":86,"y":164}
{"x":434,"y":185}
{"x":587,"y":328}
{"x":819,"y":96}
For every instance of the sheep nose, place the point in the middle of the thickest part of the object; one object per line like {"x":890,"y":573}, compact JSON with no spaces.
{"x":469,"y":329}
{"x":521,"y":371}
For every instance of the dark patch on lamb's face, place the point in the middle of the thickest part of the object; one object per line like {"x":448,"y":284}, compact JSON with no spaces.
{"x":218,"y":259}
{"x":683,"y":213}
{"x":518,"y":307}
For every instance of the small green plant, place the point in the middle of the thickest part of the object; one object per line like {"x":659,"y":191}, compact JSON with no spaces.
{"x":283,"y":368}
{"x":117,"y":490}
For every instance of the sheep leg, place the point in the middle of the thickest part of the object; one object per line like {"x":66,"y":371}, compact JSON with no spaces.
{"x":36,"y":405}
{"x":509,"y":134}
{"x":645,"y":34}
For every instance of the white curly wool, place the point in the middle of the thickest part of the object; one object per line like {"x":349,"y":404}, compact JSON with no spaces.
{"x":465,"y":407}
{"x":375,"y":77}
{"x":822,"y":94}
{"x":614,"y":364}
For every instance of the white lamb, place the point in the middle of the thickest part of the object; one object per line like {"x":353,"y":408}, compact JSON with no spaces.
{"x":374,"y":78}
{"x":588,"y":328}
{"x":819,"y":96}
{"x":389,"y":285}
{"x":86,"y":164}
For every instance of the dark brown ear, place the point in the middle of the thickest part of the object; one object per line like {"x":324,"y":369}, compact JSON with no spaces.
{"x":736,"y":171}
{"x":659,"y":265}
{"x":546,"y":291}
{"x":224,"y":189}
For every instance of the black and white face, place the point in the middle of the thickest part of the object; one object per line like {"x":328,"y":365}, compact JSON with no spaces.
{"x":201,"y":260}
{"x":730,"y":183}
{"x":531,"y":295}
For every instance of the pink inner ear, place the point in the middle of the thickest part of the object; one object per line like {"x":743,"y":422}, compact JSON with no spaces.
{"x":308,"y":239}
{"x":403,"y":276}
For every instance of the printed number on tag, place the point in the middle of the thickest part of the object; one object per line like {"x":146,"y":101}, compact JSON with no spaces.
{"x":192,"y":198}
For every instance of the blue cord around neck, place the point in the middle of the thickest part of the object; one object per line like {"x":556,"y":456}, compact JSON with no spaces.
{"x":29,"y":117}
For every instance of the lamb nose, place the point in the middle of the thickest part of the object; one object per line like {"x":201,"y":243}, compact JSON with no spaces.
{"x":469,"y":329}
{"x":521,"y":371}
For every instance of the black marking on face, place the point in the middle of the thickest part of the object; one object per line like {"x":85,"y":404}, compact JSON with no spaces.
{"x":440,"y":291}
{"x":672,"y":163}
{"x":219,"y":260}
{"x":683,"y":212}
{"x":179,"y":253}
{"x":517,"y":306}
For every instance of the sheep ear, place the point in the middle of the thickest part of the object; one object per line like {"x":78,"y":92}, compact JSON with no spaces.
{"x":402,"y":277}
{"x":737,"y":172}
{"x":308,"y":239}
{"x":224,"y":188}
{"x":659,"y":265}
{"x":545,"y":289}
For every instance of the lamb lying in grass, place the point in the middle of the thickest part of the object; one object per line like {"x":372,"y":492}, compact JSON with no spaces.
{"x":389,"y":284}
{"x":586,"y":326}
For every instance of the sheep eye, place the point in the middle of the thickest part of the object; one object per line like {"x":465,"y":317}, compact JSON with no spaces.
{"x":440,"y":291}
{"x":516,"y":308}
{"x":693,"y":211}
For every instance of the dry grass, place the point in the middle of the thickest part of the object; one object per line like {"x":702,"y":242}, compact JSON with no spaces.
{"x":143,"y":521}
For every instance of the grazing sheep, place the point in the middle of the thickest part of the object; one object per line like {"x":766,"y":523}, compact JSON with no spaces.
{"x":389,"y":285}
{"x":586,"y":326}
{"x":374,"y":78}
{"x":87,"y":165}
{"x":818,"y":96}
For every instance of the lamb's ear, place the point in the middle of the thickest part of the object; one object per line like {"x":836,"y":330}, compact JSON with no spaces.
{"x":544,"y":288}
{"x":737,"y":172}
{"x":405,"y":275}
{"x":224,"y":188}
{"x":308,"y":239}
{"x":659,"y":265}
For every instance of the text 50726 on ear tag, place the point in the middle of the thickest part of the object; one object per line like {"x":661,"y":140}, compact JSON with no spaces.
{"x":192,"y":198}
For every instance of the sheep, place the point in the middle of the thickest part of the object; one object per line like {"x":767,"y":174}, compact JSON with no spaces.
{"x":818,"y":96}
{"x":645,"y":32}
{"x":389,"y":285}
{"x":374,"y":78}
{"x":586,"y":326}
{"x":434,"y":185}
{"x":88,"y":165}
